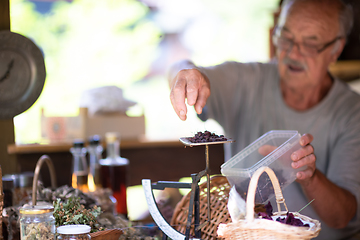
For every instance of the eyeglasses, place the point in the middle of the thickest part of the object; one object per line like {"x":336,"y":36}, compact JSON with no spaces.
{"x":307,"y":50}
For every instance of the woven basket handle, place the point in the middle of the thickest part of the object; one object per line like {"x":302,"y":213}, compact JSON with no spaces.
{"x":42,"y":159}
{"x":250,"y":200}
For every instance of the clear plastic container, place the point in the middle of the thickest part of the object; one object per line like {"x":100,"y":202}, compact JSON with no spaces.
{"x":37,"y":222}
{"x":73,"y":232}
{"x":273,"y":149}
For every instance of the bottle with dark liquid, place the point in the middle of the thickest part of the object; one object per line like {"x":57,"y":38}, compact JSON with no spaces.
{"x":79,"y":166}
{"x":114,"y":172}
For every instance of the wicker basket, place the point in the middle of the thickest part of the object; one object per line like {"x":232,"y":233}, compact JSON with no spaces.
{"x":219,"y":193}
{"x":251,"y":228}
{"x":110,"y":234}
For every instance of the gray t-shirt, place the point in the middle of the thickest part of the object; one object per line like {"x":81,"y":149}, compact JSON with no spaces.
{"x":246,"y":101}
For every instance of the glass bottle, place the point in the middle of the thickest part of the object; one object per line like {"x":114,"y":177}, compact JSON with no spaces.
{"x":74,"y":232}
{"x":79,"y":166}
{"x":95,"y":154}
{"x":37,"y":222}
{"x":114,"y":172}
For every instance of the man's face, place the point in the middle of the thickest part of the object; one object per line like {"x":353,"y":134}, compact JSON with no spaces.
{"x":311,"y":26}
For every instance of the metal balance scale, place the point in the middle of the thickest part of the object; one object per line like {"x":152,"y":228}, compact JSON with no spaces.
{"x":194,"y":208}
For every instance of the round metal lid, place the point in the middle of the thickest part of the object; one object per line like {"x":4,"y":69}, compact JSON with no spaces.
{"x":22,"y":74}
{"x":37,"y":209}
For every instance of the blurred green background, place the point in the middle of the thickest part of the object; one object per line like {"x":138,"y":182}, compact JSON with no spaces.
{"x":131,"y":44}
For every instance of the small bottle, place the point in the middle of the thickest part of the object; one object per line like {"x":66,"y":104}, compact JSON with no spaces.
{"x":114,"y":172}
{"x":95,"y":154}
{"x":37,"y":222}
{"x":74,"y":232}
{"x":79,"y":166}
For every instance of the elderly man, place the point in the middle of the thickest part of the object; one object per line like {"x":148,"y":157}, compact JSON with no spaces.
{"x":294,"y":93}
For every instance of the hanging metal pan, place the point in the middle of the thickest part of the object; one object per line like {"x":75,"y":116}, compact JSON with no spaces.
{"x":22,"y":74}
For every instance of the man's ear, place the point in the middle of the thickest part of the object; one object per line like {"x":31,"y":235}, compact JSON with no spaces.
{"x":338,"y":48}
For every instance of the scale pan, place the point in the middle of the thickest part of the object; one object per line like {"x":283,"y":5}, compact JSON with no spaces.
{"x":186,"y":142}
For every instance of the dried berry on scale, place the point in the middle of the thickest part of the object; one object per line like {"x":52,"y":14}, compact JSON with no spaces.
{"x":207,"y":136}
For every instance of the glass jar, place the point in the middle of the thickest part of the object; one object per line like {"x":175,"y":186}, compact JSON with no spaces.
{"x":37,"y":222}
{"x":74,"y":232}
{"x":22,"y":187}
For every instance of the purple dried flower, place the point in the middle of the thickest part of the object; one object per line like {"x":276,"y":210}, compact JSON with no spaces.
{"x":269,"y":209}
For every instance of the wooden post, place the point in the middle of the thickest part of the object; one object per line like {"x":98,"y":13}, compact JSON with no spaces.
{"x":7,"y":162}
{"x":4,"y":15}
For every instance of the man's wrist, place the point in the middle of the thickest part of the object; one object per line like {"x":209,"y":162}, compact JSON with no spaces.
{"x":311,"y":180}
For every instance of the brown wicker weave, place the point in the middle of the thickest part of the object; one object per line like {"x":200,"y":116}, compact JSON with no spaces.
{"x":254,"y":229}
{"x":110,"y":234}
{"x":219,"y":193}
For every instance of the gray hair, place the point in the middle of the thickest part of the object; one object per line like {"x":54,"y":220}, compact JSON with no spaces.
{"x":346,"y":15}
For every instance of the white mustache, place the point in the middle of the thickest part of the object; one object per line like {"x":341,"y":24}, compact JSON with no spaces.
{"x":289,"y":61}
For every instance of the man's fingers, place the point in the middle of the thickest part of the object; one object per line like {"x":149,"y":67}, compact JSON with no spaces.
{"x":180,"y":111}
{"x":189,"y":84}
{"x":307,"y":173}
{"x":193,"y":86}
{"x":306,"y":139}
{"x":192,"y":92}
{"x":302,"y":152}
{"x":203,"y":95}
{"x":308,"y":160}
{"x":177,"y":98}
{"x":304,"y":157}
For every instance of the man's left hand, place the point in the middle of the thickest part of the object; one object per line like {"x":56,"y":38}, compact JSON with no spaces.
{"x":304,"y":157}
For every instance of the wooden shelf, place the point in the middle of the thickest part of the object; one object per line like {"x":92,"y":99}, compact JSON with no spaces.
{"x":65,"y":146}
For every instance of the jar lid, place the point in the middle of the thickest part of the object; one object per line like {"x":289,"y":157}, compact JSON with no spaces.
{"x":37,"y":209}
{"x":74,"y":229}
{"x":8,"y":183}
{"x":111,"y":137}
{"x":78,"y":143}
{"x":117,"y":161}
{"x":95,"y":140}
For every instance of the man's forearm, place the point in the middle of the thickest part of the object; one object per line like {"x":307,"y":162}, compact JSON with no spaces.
{"x":335,"y":206}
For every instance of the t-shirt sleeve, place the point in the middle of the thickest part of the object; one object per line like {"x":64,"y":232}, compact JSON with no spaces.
{"x":231,"y":84}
